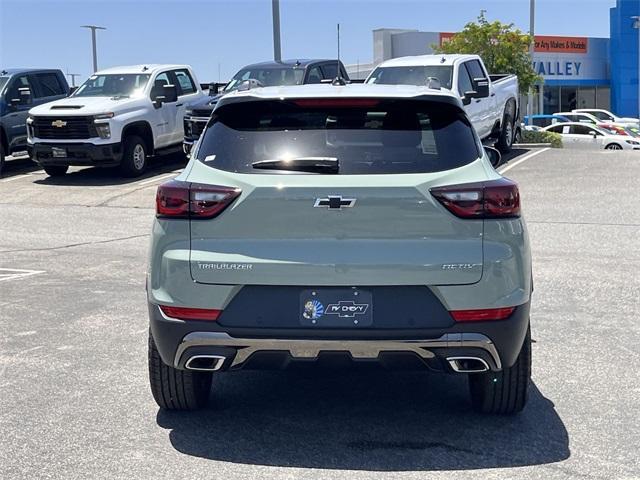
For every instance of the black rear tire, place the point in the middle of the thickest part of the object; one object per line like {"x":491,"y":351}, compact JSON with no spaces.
{"x":505,"y":140}
{"x":134,"y":157}
{"x":503,"y":392}
{"x":175,"y":389}
{"x":518,"y":136}
{"x":1,"y":158}
{"x":56,"y":170}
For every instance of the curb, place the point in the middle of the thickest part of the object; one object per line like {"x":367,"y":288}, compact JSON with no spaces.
{"x":531,"y":145}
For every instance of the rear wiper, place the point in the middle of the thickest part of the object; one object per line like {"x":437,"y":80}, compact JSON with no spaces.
{"x":301,"y":164}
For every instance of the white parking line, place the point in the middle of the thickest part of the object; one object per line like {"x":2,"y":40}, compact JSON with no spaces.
{"x":15,"y":273}
{"x":518,"y":162}
{"x":155,"y":179}
{"x":17,"y":177}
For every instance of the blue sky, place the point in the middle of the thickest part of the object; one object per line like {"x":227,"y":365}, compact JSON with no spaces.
{"x":231,"y":34}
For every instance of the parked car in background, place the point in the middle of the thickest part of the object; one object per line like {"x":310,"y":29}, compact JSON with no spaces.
{"x":607,"y":116}
{"x":586,"y":136}
{"x":618,"y":129}
{"x":20,"y":90}
{"x":268,"y":74}
{"x":580,"y":117}
{"x":491,"y":101}
{"x":447,"y":287}
{"x":118,"y":117}
{"x":542,"y":121}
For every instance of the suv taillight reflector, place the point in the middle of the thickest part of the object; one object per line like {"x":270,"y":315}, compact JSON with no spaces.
{"x":184,"y":313}
{"x":492,"y":199}
{"x":483,"y":314}
{"x":176,"y":199}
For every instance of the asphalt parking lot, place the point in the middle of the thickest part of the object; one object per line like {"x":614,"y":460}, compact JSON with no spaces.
{"x":74,"y":395}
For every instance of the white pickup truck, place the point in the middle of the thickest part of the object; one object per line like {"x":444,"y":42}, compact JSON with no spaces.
{"x":491,"y":101}
{"x":119,"y":116}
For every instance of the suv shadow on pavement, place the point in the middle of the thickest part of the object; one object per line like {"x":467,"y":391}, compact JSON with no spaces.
{"x":513,"y":155}
{"x":402,"y":421}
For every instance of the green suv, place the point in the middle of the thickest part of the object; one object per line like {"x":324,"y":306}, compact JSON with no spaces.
{"x":355,"y":221}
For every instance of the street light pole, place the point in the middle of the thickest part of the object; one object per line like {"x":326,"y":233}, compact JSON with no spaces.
{"x":636,"y":25}
{"x":275,"y":11}
{"x":93,"y":43}
{"x":73,"y":78}
{"x":532,"y":29}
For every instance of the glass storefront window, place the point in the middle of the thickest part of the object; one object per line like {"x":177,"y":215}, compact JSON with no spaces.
{"x":551,"y":100}
{"x":603,"y":98}
{"x":587,"y":98}
{"x":568,"y":99}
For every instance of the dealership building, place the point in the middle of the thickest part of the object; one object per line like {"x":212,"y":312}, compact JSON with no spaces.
{"x":578,"y":72}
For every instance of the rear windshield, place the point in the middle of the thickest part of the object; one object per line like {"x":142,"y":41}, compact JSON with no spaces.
{"x":364,"y":136}
{"x":417,"y":75}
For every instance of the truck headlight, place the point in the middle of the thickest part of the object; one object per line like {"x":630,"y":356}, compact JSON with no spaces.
{"x":102,"y":125}
{"x":30,"y":130}
{"x":103,"y":129}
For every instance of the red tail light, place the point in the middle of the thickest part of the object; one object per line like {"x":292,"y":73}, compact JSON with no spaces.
{"x":493,"y":199}
{"x":176,"y":199}
{"x":480,"y":315}
{"x":183,"y":313}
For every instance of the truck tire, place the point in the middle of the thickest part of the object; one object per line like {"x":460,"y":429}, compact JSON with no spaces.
{"x":56,"y":170}
{"x":503,"y":392}
{"x":1,"y":158}
{"x":134,"y":157}
{"x":517,"y":138}
{"x":175,"y":389}
{"x":505,"y":140}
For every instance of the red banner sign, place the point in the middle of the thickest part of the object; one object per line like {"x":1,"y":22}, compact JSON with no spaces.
{"x":546,"y":43}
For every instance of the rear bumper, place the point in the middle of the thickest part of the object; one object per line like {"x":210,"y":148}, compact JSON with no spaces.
{"x":496,"y":343}
{"x":80,"y":154}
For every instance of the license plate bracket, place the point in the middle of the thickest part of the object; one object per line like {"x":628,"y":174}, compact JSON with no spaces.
{"x":336,"y":308}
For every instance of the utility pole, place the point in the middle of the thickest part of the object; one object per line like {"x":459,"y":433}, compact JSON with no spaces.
{"x":275,"y":10}
{"x":532,"y":47}
{"x":73,"y":78}
{"x":93,"y":29}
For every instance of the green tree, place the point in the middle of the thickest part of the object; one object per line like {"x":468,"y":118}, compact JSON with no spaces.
{"x":503,"y":48}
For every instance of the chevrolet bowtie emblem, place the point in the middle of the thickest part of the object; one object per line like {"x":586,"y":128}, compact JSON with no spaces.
{"x":335,"y":202}
{"x":59,"y":123}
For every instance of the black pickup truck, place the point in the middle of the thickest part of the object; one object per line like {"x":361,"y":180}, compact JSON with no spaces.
{"x":20,"y":90}
{"x":268,"y":74}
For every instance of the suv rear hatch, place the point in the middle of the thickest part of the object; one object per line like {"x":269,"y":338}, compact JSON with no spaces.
{"x":335,"y":192}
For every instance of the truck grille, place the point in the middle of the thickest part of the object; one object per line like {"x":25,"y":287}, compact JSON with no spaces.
{"x":202,"y":113}
{"x":193,"y":128}
{"x":64,"y":128}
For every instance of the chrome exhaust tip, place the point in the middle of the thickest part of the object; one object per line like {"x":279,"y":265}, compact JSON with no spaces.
{"x":205,"y":363}
{"x":468,"y":364}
